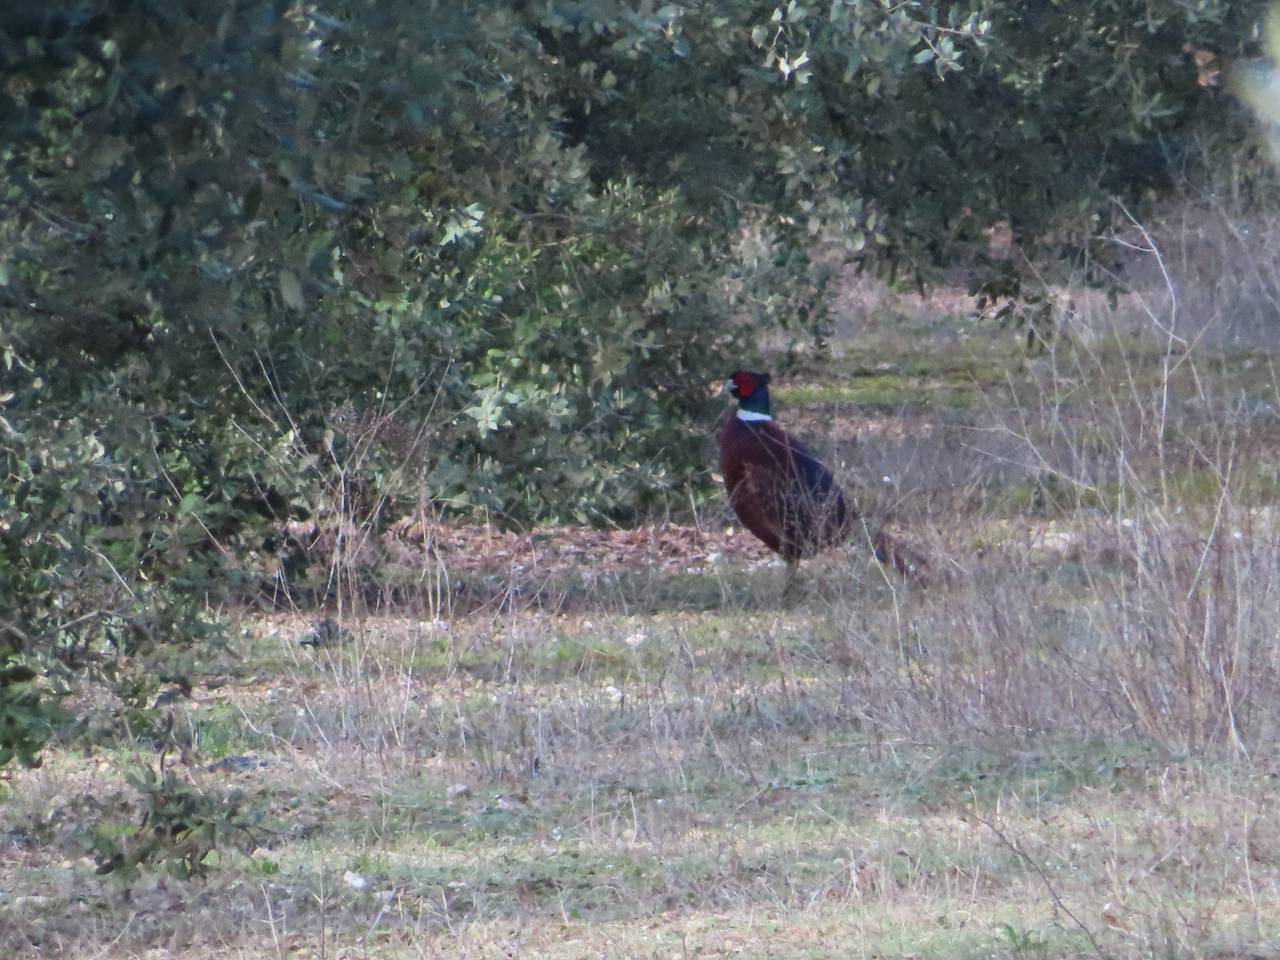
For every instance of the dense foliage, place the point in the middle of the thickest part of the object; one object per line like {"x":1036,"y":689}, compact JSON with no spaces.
{"x":262,"y":259}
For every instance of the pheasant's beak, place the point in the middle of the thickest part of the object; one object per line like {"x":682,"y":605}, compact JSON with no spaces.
{"x":730,"y":388}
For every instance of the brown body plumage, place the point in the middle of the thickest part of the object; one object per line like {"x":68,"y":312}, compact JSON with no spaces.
{"x":781,"y":491}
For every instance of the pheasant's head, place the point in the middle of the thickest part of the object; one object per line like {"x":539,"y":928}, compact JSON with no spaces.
{"x":751,"y":389}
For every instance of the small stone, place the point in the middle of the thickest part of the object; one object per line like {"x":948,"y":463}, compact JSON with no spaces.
{"x":236,"y":764}
{"x":354,"y":880}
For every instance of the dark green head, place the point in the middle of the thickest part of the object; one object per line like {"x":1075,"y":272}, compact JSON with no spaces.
{"x":752,"y":392}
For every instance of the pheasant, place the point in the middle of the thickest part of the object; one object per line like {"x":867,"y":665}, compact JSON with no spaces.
{"x":782,"y":492}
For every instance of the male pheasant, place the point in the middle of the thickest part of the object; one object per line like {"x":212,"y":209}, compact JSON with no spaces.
{"x":781,"y":491}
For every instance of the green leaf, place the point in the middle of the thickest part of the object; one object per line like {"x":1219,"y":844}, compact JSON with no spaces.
{"x":190,"y":504}
{"x":253,"y":200}
{"x":291,"y":290}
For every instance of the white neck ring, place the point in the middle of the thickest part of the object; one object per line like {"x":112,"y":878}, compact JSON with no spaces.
{"x":752,"y":417}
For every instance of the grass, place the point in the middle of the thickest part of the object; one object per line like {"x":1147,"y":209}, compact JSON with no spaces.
{"x":894,"y":378}
{"x":723,"y":828}
{"x":1059,"y":745}
{"x":706,"y":789}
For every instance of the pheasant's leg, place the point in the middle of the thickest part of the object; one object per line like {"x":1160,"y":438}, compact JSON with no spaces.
{"x":791,"y":589}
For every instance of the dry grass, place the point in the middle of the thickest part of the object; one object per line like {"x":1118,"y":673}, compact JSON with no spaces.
{"x":1060,"y":744}
{"x":620,"y":786}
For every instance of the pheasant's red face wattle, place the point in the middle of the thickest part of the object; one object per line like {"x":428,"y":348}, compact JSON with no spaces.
{"x":745,"y":383}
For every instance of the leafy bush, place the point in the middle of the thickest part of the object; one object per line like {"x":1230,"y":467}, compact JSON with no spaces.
{"x":162,"y":820}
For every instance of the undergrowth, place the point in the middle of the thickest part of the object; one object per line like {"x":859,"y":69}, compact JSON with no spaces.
{"x":1057,"y":742}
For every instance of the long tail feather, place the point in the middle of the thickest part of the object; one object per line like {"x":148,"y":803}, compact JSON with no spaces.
{"x":907,"y":560}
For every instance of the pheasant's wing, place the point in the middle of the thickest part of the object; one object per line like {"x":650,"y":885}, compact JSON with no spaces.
{"x":757,"y":502}
{"x":814,"y":475}
{"x":816,"y":501}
